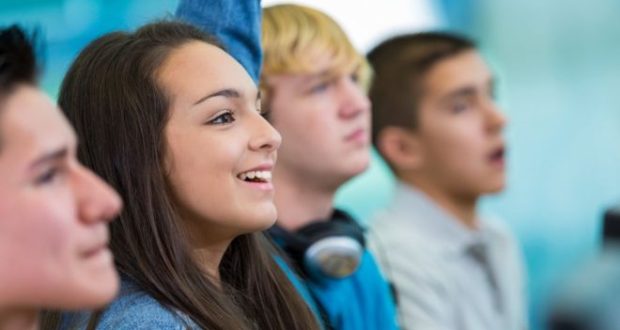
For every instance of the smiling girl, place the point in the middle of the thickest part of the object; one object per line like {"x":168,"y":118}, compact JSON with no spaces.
{"x":173,"y":123}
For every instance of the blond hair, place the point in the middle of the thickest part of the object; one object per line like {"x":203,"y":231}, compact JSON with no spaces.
{"x":295,"y":36}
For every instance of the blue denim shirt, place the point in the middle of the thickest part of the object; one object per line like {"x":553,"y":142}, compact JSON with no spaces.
{"x":132,"y":309}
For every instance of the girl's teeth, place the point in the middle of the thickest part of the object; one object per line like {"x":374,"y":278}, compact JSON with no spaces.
{"x":264,"y":175}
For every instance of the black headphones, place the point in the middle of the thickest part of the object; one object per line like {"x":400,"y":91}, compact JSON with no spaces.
{"x":611,"y":227}
{"x":330,"y":248}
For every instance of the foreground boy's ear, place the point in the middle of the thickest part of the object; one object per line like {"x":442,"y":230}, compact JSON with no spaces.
{"x":400,"y":147}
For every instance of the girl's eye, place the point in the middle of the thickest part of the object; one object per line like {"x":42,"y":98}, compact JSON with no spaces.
{"x":224,"y":118}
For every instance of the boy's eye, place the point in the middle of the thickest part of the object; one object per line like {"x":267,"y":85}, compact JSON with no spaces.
{"x":224,"y":118}
{"x":264,"y":113}
{"x":459,"y":106}
{"x":355,"y":77}
{"x":319,"y":88}
{"x":48,"y":177}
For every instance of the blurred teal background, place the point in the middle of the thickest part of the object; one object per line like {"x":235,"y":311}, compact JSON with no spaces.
{"x":558,"y":67}
{"x":68,"y":25}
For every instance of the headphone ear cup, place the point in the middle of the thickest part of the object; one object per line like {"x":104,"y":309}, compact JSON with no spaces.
{"x":335,"y":247}
{"x":333,"y":257}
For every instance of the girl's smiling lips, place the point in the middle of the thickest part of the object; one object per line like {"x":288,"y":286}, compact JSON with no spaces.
{"x":258,"y":177}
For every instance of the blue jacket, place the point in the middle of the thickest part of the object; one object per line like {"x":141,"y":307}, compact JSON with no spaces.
{"x":361,"y":301}
{"x":235,"y":24}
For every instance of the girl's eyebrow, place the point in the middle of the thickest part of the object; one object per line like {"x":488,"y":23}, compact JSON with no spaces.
{"x":227,"y":92}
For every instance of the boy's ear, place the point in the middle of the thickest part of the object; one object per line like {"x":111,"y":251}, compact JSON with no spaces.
{"x":400,"y":147}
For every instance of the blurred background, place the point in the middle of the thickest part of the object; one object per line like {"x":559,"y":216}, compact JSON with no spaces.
{"x":558,"y":67}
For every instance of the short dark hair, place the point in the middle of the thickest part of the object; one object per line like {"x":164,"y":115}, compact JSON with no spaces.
{"x":18,"y":63}
{"x":400,"y":65}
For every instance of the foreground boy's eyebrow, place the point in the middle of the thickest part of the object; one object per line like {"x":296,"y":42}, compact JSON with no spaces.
{"x":228,"y":93}
{"x":51,"y":157}
{"x":461,"y":92}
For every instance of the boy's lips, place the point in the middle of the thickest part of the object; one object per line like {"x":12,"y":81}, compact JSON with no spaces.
{"x":497,"y":156}
{"x":359,"y":135}
{"x":96,"y":250}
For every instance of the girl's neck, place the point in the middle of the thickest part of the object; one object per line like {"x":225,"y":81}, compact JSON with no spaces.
{"x":210,"y":257}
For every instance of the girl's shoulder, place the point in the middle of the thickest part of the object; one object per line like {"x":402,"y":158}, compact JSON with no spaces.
{"x":132,"y":309}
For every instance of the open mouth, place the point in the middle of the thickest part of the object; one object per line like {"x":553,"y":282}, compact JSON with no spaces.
{"x":256,"y":176}
{"x":497,"y":155}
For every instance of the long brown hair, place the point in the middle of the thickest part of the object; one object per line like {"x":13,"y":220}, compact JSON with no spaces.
{"x":111,"y":96}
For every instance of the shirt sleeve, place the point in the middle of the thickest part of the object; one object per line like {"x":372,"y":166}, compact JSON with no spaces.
{"x":235,"y":24}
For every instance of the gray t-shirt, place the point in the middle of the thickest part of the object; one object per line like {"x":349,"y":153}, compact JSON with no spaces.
{"x":446,"y":275}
